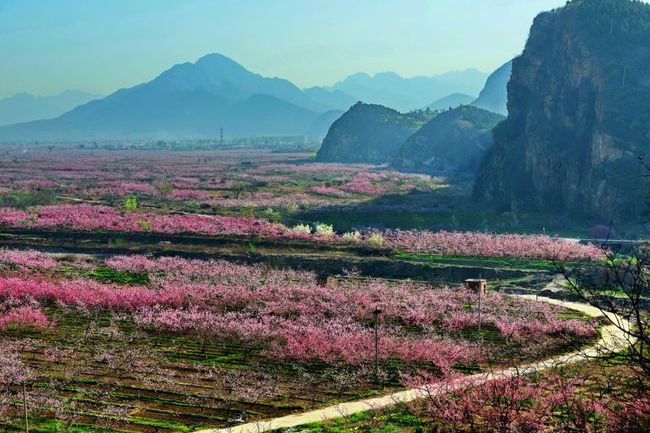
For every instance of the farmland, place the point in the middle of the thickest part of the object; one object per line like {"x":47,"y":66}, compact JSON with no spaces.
{"x":282,"y":187}
{"x":359,"y":217}
{"x":237,"y":342}
{"x":172,"y":292}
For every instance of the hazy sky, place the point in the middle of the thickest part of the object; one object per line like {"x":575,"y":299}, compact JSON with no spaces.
{"x":101,"y":45}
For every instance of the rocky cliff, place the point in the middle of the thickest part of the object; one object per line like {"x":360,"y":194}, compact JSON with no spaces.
{"x":579,"y":114}
{"x":451,"y":143}
{"x":369,"y":133}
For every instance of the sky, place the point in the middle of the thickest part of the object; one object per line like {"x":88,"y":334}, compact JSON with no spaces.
{"x":103,"y":45}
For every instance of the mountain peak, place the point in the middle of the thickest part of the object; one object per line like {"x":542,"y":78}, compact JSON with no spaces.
{"x":367,"y":133}
{"x":216,"y":59}
{"x":388,"y":74}
{"x":359,"y":76}
{"x":190,"y":100}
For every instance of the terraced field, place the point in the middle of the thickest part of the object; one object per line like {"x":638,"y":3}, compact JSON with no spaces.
{"x":96,"y":355}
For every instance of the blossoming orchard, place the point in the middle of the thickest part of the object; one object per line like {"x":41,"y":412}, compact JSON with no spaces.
{"x":181,"y":291}
{"x":194,"y":313}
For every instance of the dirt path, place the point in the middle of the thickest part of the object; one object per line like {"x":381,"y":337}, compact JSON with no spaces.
{"x":612,"y":339}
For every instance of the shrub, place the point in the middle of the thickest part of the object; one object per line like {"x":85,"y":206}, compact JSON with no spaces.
{"x":145,"y":225}
{"x":354,"y":236}
{"x":376,"y":240}
{"x":301,"y":228}
{"x":164,"y":188}
{"x":130,"y":203}
{"x":324,"y":230}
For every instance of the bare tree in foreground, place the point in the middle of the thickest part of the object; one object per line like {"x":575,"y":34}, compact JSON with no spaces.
{"x":620,"y":289}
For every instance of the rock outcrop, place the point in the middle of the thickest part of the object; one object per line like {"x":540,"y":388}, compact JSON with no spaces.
{"x":579,"y":115}
{"x":451,"y":143}
{"x":369,"y":133}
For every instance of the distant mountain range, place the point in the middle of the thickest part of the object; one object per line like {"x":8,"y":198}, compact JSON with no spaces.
{"x":196,"y":100}
{"x":448,"y":137}
{"x":494,"y":96}
{"x":24,"y":107}
{"x":405,"y":94}
{"x":189,"y":100}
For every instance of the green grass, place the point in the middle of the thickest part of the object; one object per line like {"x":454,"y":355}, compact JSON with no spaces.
{"x":53,"y":426}
{"x":541,"y":265}
{"x":396,"y":420}
{"x":573,"y":315}
{"x":106,"y":274}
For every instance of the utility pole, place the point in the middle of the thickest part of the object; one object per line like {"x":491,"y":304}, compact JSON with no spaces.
{"x":25,"y":408}
{"x":480,"y":289}
{"x":477,"y":285}
{"x":376,"y":314}
{"x":221,"y":136}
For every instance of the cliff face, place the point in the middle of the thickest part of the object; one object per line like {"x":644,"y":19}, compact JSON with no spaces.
{"x":579,"y":114}
{"x":451,"y":143}
{"x":369,"y":133}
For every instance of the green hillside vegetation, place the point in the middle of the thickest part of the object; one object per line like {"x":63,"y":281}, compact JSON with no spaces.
{"x":451,"y":143}
{"x":369,"y":133}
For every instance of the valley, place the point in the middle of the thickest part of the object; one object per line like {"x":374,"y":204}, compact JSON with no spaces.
{"x":325,"y":217}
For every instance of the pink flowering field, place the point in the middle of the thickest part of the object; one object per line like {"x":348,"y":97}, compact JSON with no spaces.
{"x":234,"y":193}
{"x":219,"y":180}
{"x":200,"y":319}
{"x":98,"y":217}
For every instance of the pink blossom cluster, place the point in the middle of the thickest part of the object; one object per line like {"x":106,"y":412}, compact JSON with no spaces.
{"x":328,"y":190}
{"x":167,"y":270}
{"x":200,"y":176}
{"x":293,"y":317}
{"x":122,"y":188}
{"x":89,"y":217}
{"x":25,"y":316}
{"x":531,"y":403}
{"x":264,"y":199}
{"x":491,"y":245}
{"x":27,"y":258}
{"x":13,"y":217}
{"x":318,"y":168}
{"x":362,"y":184}
{"x":88,"y":294}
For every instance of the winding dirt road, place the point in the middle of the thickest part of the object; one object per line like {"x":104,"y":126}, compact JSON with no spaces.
{"x":613,"y":339}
